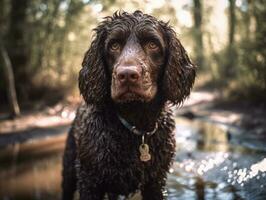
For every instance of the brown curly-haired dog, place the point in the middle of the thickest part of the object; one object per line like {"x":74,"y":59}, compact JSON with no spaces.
{"x":122,"y":139}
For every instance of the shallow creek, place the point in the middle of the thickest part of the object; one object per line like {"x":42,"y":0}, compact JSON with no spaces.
{"x":213,"y":162}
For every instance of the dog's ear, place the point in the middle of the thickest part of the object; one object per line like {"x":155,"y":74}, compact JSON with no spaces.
{"x":179,"y":72}
{"x":92,"y":76}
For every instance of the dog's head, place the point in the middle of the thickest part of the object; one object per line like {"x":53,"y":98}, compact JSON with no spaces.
{"x":135,"y":57}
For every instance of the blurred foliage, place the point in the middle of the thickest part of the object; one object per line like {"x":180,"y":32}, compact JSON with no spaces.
{"x":46,"y":41}
{"x":241,"y":62}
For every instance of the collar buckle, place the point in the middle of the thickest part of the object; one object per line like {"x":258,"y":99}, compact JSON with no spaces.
{"x":135,"y":130}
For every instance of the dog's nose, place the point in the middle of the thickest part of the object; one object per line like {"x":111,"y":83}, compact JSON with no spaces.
{"x":128,"y":74}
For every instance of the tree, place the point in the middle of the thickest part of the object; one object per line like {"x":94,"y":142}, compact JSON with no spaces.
{"x":17,"y":47}
{"x":260,"y":42}
{"x":254,"y":56}
{"x":9,"y":77}
{"x":231,"y":53}
{"x":232,"y":22}
{"x":6,"y":66}
{"x":197,"y":15}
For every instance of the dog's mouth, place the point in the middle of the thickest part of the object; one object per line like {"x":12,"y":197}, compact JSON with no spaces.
{"x":133,"y":94}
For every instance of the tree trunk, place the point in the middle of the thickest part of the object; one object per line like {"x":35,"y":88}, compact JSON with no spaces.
{"x":17,"y":44}
{"x":232,"y":22}
{"x":260,"y":42}
{"x":197,"y":14}
{"x":9,"y":77}
{"x":231,"y":51}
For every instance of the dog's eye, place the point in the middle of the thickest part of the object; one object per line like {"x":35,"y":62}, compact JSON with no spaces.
{"x":152,"y":45}
{"x":115,"y":46}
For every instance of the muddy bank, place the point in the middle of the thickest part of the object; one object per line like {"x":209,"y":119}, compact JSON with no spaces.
{"x":32,"y":134}
{"x":31,"y":126}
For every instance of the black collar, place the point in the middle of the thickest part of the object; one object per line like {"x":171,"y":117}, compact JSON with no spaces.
{"x":134,"y":130}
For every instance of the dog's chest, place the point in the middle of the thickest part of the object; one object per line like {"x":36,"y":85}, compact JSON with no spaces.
{"x":114,"y":157}
{"x":120,"y":168}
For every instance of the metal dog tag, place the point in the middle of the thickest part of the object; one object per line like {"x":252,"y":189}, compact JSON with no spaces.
{"x":144,"y":152}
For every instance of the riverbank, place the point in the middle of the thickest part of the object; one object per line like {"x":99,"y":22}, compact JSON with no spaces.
{"x":210,"y":107}
{"x":201,"y":105}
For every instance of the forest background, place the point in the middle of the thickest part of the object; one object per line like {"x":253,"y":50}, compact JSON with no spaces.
{"x":42,"y":45}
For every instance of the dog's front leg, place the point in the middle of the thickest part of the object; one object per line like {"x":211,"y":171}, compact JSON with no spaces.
{"x":90,"y":192}
{"x":88,"y":187}
{"x":69,"y":171}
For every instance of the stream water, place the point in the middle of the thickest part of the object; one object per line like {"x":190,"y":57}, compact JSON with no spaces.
{"x":212,"y":163}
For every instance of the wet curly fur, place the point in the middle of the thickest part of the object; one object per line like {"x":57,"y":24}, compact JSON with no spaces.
{"x":102,"y":155}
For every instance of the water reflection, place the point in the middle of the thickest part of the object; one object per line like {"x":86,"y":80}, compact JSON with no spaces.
{"x":32,"y":170}
{"x":208,"y":166}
